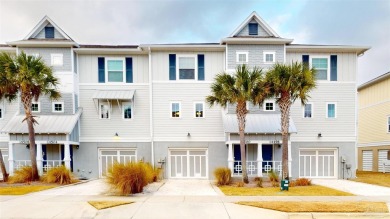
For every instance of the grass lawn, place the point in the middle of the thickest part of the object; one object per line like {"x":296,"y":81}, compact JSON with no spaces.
{"x":350,"y":207}
{"x":107,"y":204}
{"x":380,"y":179}
{"x":23,"y":189}
{"x":275,"y":191}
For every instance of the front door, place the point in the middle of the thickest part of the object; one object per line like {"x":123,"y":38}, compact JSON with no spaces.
{"x":237,"y":158}
{"x":267,"y":151}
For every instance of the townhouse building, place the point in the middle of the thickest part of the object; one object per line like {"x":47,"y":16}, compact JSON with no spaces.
{"x":147,"y":102}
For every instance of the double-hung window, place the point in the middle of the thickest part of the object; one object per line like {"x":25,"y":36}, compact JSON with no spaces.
{"x":308,"y":110}
{"x":35,"y":107}
{"x":241,"y":57}
{"x":115,"y":70}
{"x":57,"y":59}
{"x":104,"y":110}
{"x":321,"y":64}
{"x":331,"y":110}
{"x":58,"y":107}
{"x":127,"y":110}
{"x":199,"y":110}
{"x":175,"y":110}
{"x":269,"y":106}
{"x":187,"y":67}
{"x":269,"y":57}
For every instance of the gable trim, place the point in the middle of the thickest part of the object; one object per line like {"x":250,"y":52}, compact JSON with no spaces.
{"x":42,"y":24}
{"x":259,"y":20}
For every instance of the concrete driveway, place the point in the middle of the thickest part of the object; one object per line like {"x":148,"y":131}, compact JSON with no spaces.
{"x":186,"y":188}
{"x":356,"y":188}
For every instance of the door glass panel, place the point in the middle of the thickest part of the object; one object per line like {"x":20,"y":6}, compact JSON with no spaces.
{"x":308,"y":153}
{"x":179,"y":152}
{"x":184,"y":168}
{"x":173,"y":166}
{"x":192,"y":166}
{"x":313,"y":166}
{"x":307,"y":162}
{"x":197,"y":152}
{"x":301,"y":166}
{"x":325,"y":152}
{"x":331,"y":166}
{"x":127,"y":152}
{"x":203,"y":166}
{"x":321,"y":166}
{"x":178,"y":164}
{"x":109,"y":152}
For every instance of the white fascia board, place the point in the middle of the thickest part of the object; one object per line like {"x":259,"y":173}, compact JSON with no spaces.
{"x":182,"y":47}
{"x":109,"y":51}
{"x":8,"y":49}
{"x":241,"y":40}
{"x":33,"y":43}
{"x":324,"y":48}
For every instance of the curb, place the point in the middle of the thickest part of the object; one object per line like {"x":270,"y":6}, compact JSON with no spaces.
{"x":338,"y":215}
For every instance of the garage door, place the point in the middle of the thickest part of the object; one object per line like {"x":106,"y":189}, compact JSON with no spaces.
{"x":318,"y":163}
{"x":367,"y":160}
{"x":188,"y":163}
{"x":382,"y":157}
{"x":5,"y":158}
{"x":107,"y":157}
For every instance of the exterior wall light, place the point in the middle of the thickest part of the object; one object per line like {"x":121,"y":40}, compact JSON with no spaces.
{"x":319,"y":135}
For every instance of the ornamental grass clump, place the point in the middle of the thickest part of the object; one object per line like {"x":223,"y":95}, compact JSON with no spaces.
{"x":223,"y":176}
{"x":153,"y":173}
{"x":60,"y":175}
{"x":129,"y":178}
{"x":301,"y":182}
{"x":22,"y":175}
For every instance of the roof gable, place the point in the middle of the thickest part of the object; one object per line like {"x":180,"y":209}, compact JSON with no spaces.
{"x":264,"y":29}
{"x":38,"y":32}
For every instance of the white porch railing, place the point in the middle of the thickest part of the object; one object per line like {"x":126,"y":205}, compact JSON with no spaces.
{"x":22,"y":163}
{"x":252,"y":167}
{"x":48,"y":164}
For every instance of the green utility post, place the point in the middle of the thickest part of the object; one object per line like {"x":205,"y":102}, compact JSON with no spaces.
{"x":284,"y":184}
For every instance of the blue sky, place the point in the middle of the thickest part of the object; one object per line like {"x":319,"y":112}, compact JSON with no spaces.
{"x":336,"y":22}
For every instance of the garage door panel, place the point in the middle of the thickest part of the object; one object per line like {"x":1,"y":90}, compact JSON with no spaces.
{"x":382,"y":157}
{"x":367,"y":160}
{"x":317,"y":163}
{"x":107,"y":158}
{"x":188,"y":163}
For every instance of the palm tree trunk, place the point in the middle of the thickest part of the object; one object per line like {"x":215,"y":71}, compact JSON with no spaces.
{"x":26,"y":100}
{"x":241,"y":112}
{"x":285,"y":104}
{"x":2,"y":167}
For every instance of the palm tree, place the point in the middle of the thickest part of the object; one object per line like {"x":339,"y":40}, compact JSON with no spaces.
{"x":28,"y":77}
{"x":245,"y":85}
{"x":288,"y":83}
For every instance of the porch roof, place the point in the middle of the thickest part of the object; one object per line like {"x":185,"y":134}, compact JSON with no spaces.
{"x":47,"y":124}
{"x":114,"y":94}
{"x":256,"y":123}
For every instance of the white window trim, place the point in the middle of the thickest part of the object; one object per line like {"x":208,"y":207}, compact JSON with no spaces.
{"x":268,"y":53}
{"x":195,"y":67}
{"x":106,"y":69}
{"x":109,"y":110}
{"x":312,"y":111}
{"x":123,"y":110}
{"x":59,"y":55}
{"x":170,"y":109}
{"x":39,"y":107}
{"x":195,"y":110}
{"x":269,"y":101}
{"x":335,"y":110}
{"x":53,"y":108}
{"x":319,"y":57}
{"x":242,"y":53}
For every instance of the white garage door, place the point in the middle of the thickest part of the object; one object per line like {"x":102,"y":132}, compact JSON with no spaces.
{"x":382,"y":157}
{"x":107,"y":157}
{"x":367,"y":160}
{"x":188,"y":163}
{"x":318,"y":163}
{"x":5,"y":159}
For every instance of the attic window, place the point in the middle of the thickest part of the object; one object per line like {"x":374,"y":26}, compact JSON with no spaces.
{"x":253,"y":28}
{"x":49,"y":32}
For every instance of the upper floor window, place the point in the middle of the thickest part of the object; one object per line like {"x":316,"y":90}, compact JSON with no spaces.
{"x":127,"y":110}
{"x":321,"y":64}
{"x":199,"y":110}
{"x":58,"y":107}
{"x":186,"y":67}
{"x":331,"y":110}
{"x":253,"y":28}
{"x":269,"y":106}
{"x":35,"y":107}
{"x":308,"y":110}
{"x":104,"y":111}
{"x":115,"y":70}
{"x":175,"y":110}
{"x":242,"y":57}
{"x":269,"y":57}
{"x":388,"y":124}
{"x":49,"y":32}
{"x":57,"y":60}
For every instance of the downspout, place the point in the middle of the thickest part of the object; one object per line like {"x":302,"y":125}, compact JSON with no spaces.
{"x":151,"y":106}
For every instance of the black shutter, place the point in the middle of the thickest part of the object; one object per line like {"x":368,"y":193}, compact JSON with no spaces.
{"x":200,"y":67}
{"x":172,"y":66}
{"x":333,"y":67}
{"x":101,"y":70}
{"x":129,"y":70}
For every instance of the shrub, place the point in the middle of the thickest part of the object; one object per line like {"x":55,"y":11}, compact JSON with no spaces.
{"x":240,"y":184}
{"x":223,"y":176}
{"x":23,"y":175}
{"x":153,"y":173}
{"x":302,"y":182}
{"x":59,"y":175}
{"x":273,"y":176}
{"x":257,"y":179}
{"x":259,"y":183}
{"x":129,"y":178}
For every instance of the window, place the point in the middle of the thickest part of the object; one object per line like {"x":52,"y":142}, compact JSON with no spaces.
{"x":115,"y":70}
{"x":58,"y":107}
{"x":388,"y":124}
{"x":308,"y":110}
{"x":242,"y":57}
{"x":331,"y":110}
{"x":57,"y":59}
{"x":187,"y":67}
{"x":269,"y":106}
{"x":49,"y":32}
{"x":199,"y":110}
{"x":35,"y":107}
{"x":269,"y":57}
{"x":175,"y":110}
{"x":127,"y":110}
{"x":104,"y":111}
{"x":322,"y":67}
{"x":253,"y":28}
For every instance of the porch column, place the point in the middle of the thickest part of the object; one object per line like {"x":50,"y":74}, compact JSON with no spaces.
{"x":67,"y":155}
{"x":230,"y":158}
{"x":39,"y":158}
{"x":11,"y":158}
{"x":259,"y":159}
{"x":289,"y":158}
